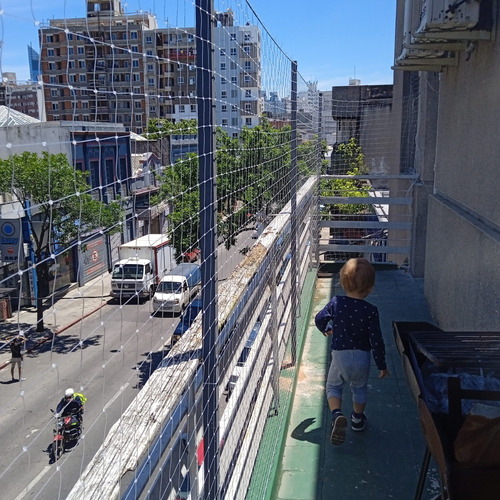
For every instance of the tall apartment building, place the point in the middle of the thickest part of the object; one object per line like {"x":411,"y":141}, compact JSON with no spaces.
{"x":117,"y":68}
{"x":20,"y":97}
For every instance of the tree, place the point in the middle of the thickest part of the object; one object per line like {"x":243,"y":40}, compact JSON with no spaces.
{"x":58,"y":207}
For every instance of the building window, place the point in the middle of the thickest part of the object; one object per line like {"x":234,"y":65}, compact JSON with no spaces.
{"x":152,"y":109}
{"x":233,"y":65}
{"x":81,"y":64}
{"x":71,"y":78}
{"x":85,"y":104}
{"x":134,"y":48}
{"x":234,"y":93}
{"x":55,"y":106}
{"x":150,"y":68}
{"x":248,"y":122}
{"x":234,"y":80}
{"x":246,"y":49}
{"x":224,"y":122}
{"x":224,"y":108}
{"x":180,"y":80}
{"x":190,"y":38}
{"x":137,"y":77}
{"x":138,"y":118}
{"x":133,"y":35}
{"x":192,"y":80}
{"x":71,"y":64}
{"x":248,"y":107}
{"x":71,"y":51}
{"x":149,"y":39}
{"x":135,"y":63}
{"x":222,"y":52}
{"x":83,"y":78}
{"x":233,"y":51}
{"x":80,"y":50}
{"x":138,"y":105}
{"x":234,"y":108}
{"x":49,"y":38}
{"x":223,"y":81}
{"x":69,"y":36}
{"x":223,"y":94}
{"x":53,"y":93}
{"x":223,"y":66}
{"x":151,"y":82}
{"x":50,"y":52}
{"x":182,"y":108}
{"x":193,"y":108}
{"x":246,"y":78}
{"x":248,"y":65}
{"x":52,"y":79}
{"x":52,"y":66}
{"x":233,"y":36}
{"x":234,"y":122}
{"x":248,"y":93}
{"x":149,"y":52}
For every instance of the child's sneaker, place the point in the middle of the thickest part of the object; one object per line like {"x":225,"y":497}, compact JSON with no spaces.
{"x":358,"y":423}
{"x":339,"y":425}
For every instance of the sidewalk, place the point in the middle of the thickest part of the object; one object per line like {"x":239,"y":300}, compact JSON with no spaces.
{"x":65,"y":311}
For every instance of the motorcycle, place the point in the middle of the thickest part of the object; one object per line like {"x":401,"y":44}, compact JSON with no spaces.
{"x":67,"y":429}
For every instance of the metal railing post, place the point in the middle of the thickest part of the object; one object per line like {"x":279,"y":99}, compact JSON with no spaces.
{"x":208,"y":243}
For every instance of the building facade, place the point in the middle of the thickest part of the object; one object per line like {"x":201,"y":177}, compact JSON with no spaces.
{"x":117,"y":68}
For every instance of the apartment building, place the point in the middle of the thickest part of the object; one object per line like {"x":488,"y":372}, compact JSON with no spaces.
{"x":117,"y":68}
{"x":20,"y":97}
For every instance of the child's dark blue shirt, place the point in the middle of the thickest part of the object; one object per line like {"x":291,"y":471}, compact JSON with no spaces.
{"x":356,"y":325}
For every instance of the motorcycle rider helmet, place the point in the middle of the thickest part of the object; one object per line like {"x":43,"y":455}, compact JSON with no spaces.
{"x":69,"y":393}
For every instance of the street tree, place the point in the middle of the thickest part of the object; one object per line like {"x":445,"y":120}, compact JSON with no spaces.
{"x":58,"y":208}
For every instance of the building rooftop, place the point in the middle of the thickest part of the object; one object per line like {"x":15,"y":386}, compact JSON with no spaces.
{"x":9,"y":117}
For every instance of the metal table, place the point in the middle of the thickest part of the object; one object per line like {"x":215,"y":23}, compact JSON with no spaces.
{"x":469,"y":350}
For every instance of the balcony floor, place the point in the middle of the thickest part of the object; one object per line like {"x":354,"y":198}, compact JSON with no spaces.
{"x":382,"y":462}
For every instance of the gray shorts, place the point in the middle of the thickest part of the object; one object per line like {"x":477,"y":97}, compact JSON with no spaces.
{"x":16,"y":361}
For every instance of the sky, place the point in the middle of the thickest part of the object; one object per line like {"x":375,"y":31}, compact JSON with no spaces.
{"x":331,"y":40}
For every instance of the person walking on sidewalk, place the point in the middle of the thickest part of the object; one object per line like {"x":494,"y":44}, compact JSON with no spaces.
{"x":354,"y":327}
{"x":17,"y":357}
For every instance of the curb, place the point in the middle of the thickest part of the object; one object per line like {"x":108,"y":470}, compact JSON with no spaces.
{"x":57,"y":332}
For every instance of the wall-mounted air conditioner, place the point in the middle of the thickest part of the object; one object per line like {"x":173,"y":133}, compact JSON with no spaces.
{"x":448,"y":15}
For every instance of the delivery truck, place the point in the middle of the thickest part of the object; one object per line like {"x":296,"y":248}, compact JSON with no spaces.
{"x":143,"y":262}
{"x":177,"y":288}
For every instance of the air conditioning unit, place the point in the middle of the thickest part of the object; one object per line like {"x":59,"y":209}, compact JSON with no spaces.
{"x":448,"y":15}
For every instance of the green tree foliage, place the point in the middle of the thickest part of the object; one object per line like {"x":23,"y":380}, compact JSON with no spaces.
{"x":351,"y":153}
{"x":57,"y":205}
{"x":160,"y":127}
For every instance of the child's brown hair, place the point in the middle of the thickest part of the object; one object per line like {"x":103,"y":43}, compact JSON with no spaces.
{"x":357,"y":276}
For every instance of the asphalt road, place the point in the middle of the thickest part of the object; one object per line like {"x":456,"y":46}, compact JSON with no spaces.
{"x":108,"y":356}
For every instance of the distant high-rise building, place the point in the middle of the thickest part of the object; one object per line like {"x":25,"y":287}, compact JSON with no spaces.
{"x":117,"y":68}
{"x":34,"y":64}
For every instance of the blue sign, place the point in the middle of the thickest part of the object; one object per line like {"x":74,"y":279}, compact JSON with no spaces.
{"x":9,"y":239}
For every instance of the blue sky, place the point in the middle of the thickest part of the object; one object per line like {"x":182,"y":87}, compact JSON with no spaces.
{"x":333,"y":41}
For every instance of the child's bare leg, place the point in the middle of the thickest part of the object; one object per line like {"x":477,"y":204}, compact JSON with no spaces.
{"x":334,"y":403}
{"x":359,"y":407}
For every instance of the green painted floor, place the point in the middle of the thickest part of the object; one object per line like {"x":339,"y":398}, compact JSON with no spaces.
{"x":383,"y":462}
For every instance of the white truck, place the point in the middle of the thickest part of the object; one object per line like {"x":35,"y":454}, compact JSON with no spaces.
{"x":143,"y":262}
{"x":177,"y":288}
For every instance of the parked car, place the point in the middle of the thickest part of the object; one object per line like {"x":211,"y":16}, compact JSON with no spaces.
{"x":187,"y":319}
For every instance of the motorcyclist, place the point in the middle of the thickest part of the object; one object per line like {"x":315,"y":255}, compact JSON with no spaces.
{"x":70,"y":405}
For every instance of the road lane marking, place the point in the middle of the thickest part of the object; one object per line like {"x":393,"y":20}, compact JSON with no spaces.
{"x":114,"y":398}
{"x":32,"y":484}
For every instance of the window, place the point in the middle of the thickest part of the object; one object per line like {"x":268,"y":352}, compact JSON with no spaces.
{"x":234,"y":93}
{"x":71,"y":64}
{"x":135,"y":63}
{"x":49,"y":38}
{"x":138,"y":118}
{"x":223,"y":94}
{"x":179,"y":37}
{"x":246,"y":78}
{"x":224,"y":108}
{"x":150,"y":68}
{"x":149,"y":53}
{"x":180,"y":80}
{"x":234,"y":80}
{"x":69,"y":36}
{"x":53,"y":93}
{"x":71,"y":51}
{"x":223,"y":81}
{"x":80,"y":50}
{"x":222,"y":52}
{"x":233,"y":65}
{"x":234,"y":122}
{"x":85,"y":118}
{"x":134,"y":48}
{"x":233,"y":51}
{"x":182,"y":108}
{"x":233,"y":36}
{"x":246,"y":49}
{"x":234,"y":108}
{"x":151,"y":82}
{"x":149,"y":39}
{"x":133,"y":35}
{"x":52,"y":65}
{"x":85,"y":104}
{"x":50,"y":52}
{"x":137,"y":90}
{"x":74,"y":105}
{"x":248,"y":121}
{"x":191,"y":67}
{"x":137,"y":77}
{"x":193,"y":108}
{"x":81,"y":63}
{"x":83,"y":78}
{"x":247,"y":37}
{"x":192,"y":80}
{"x":224,"y":122}
{"x":52,"y":79}
{"x":248,"y":65}
{"x":223,"y":66}
{"x":71,"y":79}
{"x":248,"y":107}
{"x":137,"y":104}
{"x":248,"y":93}
{"x":190,"y":38}
{"x":55,"y":106}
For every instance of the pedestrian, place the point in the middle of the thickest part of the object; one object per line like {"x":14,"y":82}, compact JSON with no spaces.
{"x":17,"y":357}
{"x":354,"y":327}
